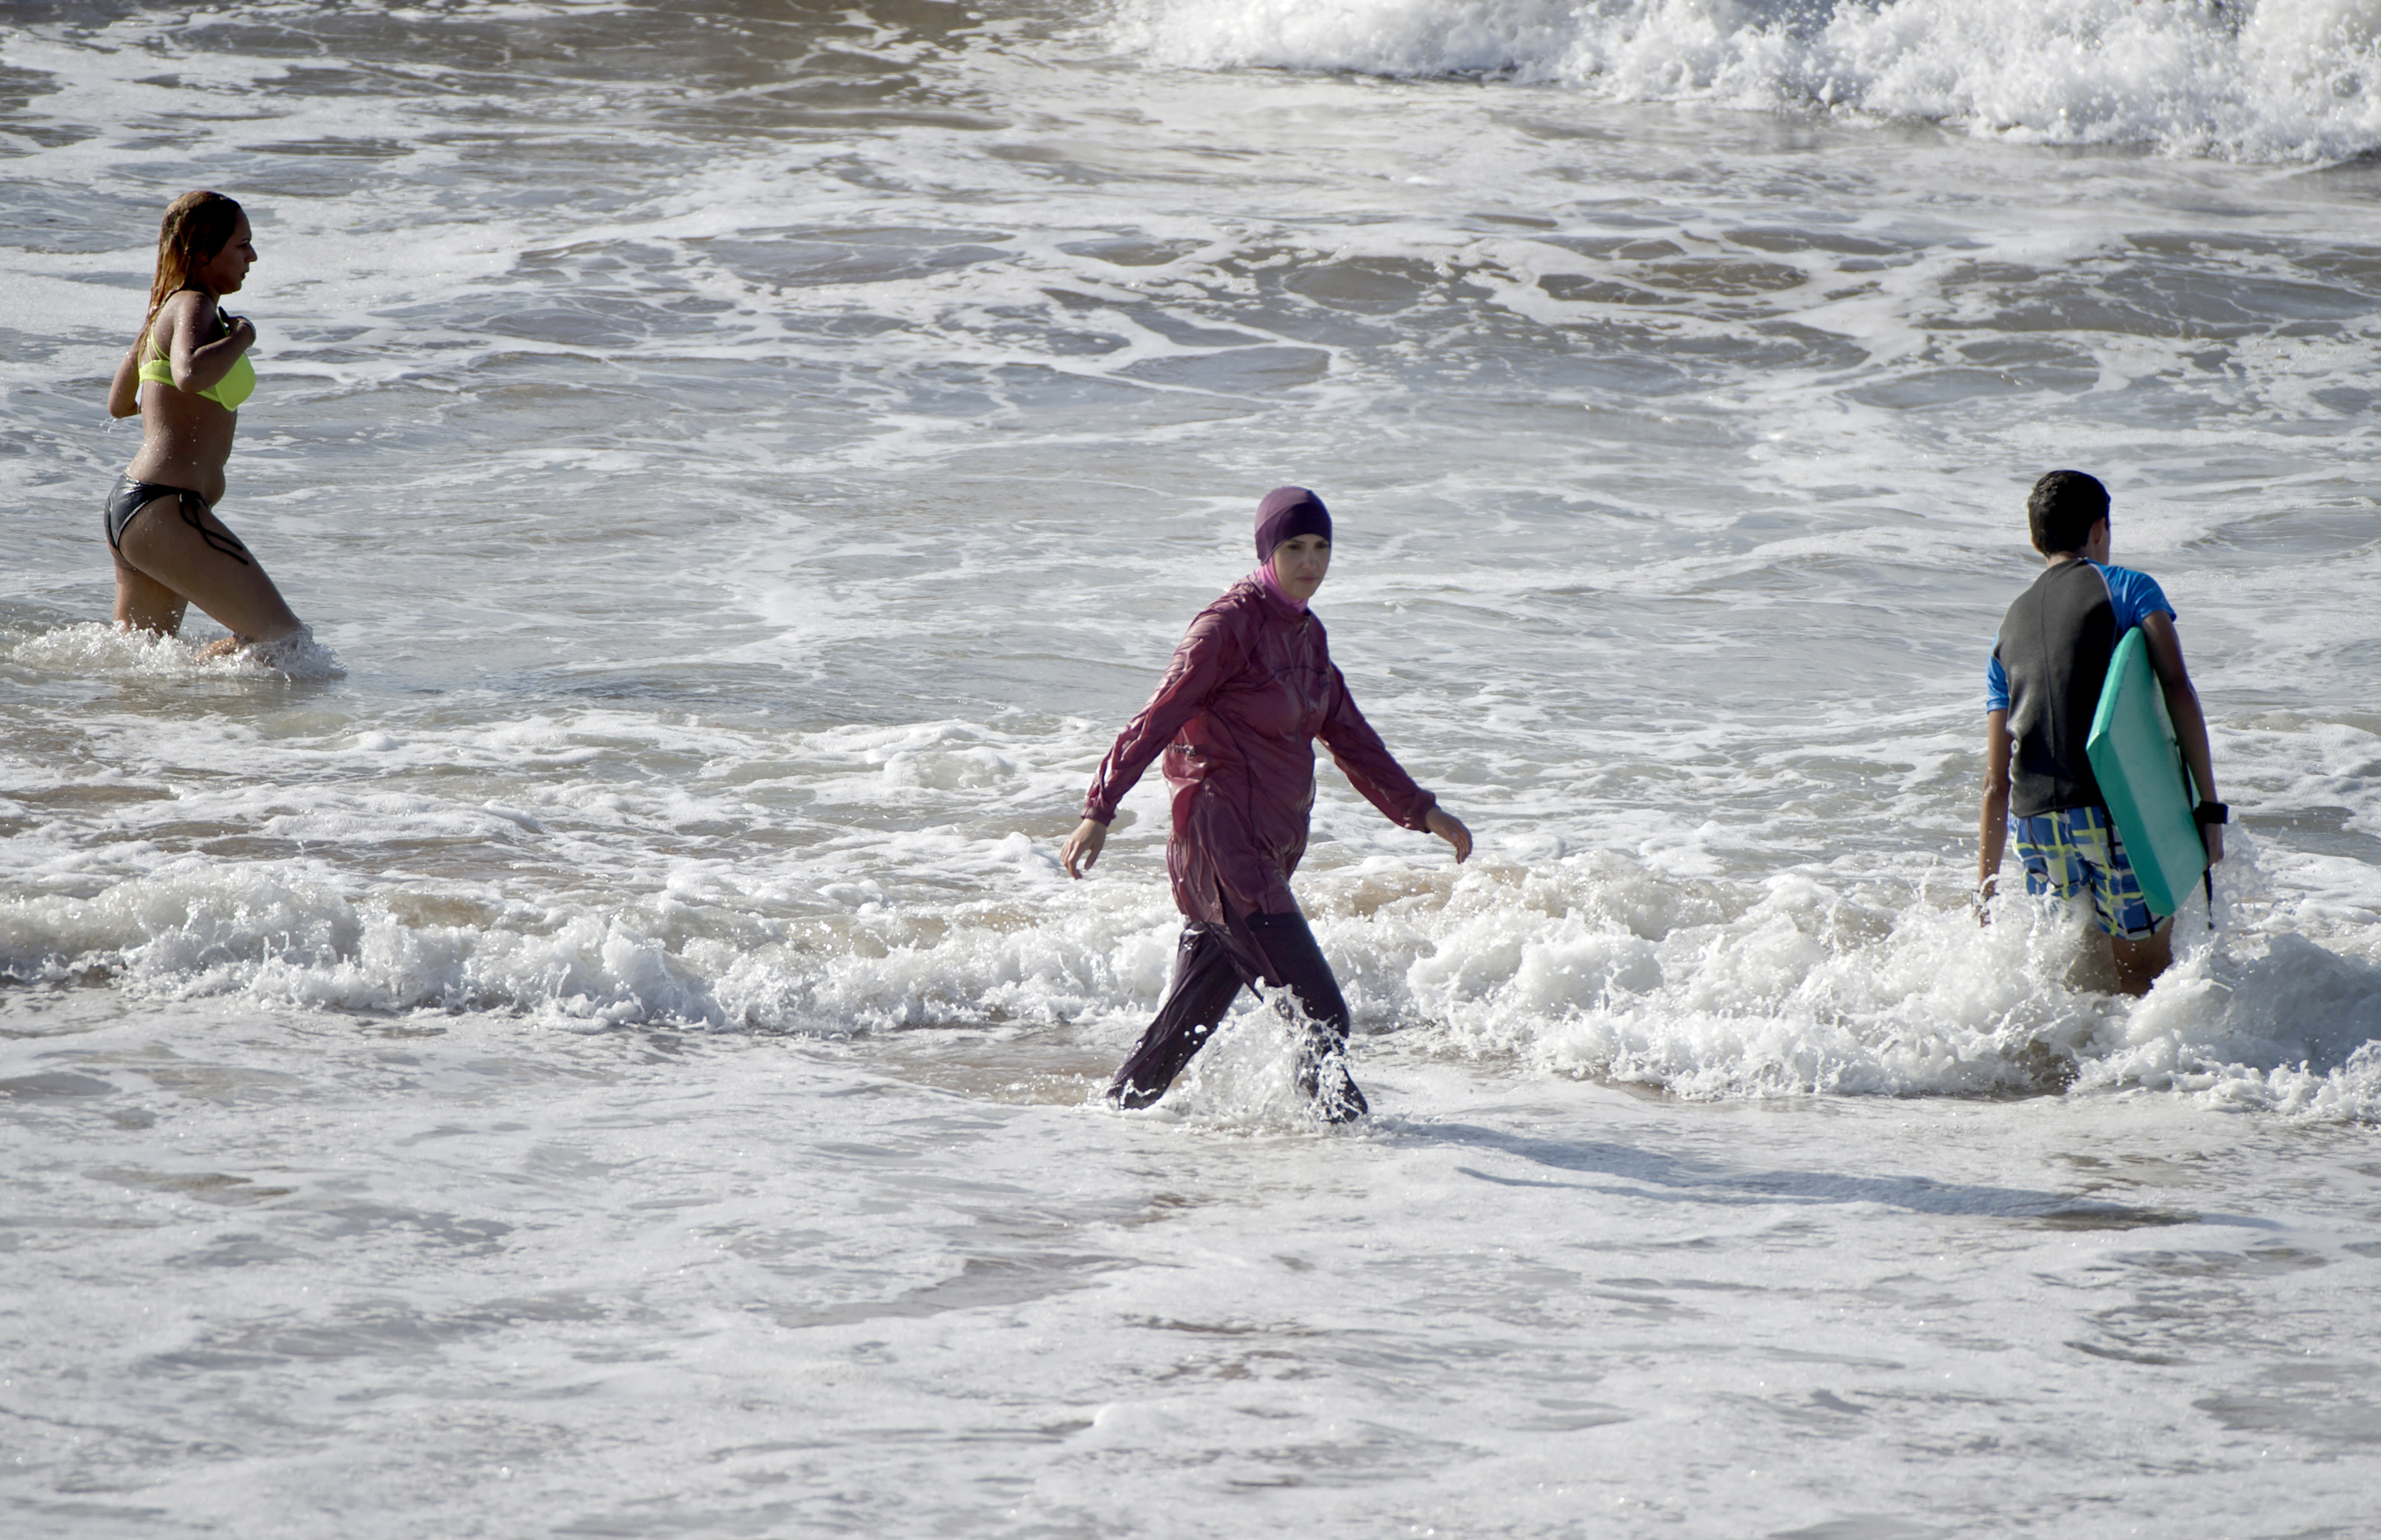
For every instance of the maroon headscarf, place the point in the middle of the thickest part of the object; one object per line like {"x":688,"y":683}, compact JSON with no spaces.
{"x":1287,"y":513}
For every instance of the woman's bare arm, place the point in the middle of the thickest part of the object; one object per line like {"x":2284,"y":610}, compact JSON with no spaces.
{"x":200,"y":360}
{"x":124,"y":391}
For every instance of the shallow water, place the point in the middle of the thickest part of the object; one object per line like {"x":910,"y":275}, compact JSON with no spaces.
{"x":330,"y":1276}
{"x":603,"y":1045}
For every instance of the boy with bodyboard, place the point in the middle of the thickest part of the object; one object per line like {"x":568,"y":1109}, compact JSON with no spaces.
{"x":2045,"y":685}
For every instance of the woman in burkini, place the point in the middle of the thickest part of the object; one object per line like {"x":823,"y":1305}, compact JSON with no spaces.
{"x":171,"y":551}
{"x":1251,"y":689}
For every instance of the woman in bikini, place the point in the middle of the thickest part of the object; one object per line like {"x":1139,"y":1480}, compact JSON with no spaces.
{"x":171,"y":551}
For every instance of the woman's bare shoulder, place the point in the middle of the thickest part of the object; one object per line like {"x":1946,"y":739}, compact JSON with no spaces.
{"x":187,"y":309}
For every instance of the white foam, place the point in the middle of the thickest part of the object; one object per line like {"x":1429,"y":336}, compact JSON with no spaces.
{"x":96,"y":647}
{"x":626,"y":1049}
{"x":1591,"y":966}
{"x":732,"y":631}
{"x":2272,"y":79}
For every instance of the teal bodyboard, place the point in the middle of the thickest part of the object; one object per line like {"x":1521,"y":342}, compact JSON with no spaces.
{"x":2142,"y":779}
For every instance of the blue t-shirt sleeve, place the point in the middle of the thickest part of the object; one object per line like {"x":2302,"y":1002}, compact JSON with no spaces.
{"x":1995,"y":681}
{"x":2135,"y":597}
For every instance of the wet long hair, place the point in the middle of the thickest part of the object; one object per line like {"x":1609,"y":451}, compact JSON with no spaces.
{"x":196,"y":227}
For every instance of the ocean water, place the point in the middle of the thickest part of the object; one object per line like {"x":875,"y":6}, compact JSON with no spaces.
{"x":599,"y":1044}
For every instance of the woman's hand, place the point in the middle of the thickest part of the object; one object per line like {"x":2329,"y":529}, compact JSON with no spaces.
{"x":1084,"y":845}
{"x":199,"y":360}
{"x":1450,"y":828}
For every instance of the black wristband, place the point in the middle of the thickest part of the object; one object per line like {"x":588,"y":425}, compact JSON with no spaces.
{"x":2211,"y":813}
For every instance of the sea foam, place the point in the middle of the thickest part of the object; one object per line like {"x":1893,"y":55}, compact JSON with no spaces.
{"x":1591,"y":966}
{"x":2285,"y":80}
{"x":95,"y":647}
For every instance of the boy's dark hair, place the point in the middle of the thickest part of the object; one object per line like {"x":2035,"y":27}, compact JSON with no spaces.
{"x":2064,"y":506}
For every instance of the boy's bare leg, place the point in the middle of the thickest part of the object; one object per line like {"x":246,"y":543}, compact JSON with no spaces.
{"x":2140,"y":962}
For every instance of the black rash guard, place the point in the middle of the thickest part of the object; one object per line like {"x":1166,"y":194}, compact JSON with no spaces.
{"x":2055,"y":646}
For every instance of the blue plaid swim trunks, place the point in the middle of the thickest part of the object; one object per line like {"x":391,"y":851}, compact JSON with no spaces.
{"x":2073,"y":851}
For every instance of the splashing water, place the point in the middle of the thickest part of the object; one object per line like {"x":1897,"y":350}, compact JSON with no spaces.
{"x":2247,"y":79}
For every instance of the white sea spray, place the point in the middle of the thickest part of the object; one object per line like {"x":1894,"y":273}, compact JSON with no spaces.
{"x":1590,"y":965}
{"x":2251,"y":80}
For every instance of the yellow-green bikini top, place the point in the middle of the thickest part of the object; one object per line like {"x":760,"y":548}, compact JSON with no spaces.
{"x":237,"y":385}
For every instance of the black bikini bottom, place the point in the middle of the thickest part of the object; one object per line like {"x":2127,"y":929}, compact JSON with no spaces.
{"x":130,"y":496}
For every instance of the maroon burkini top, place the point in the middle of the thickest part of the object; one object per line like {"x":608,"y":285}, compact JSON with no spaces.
{"x":1251,"y":689}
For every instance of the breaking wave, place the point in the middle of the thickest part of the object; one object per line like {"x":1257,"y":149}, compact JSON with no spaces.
{"x":1591,"y":966}
{"x":2274,"y":81}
